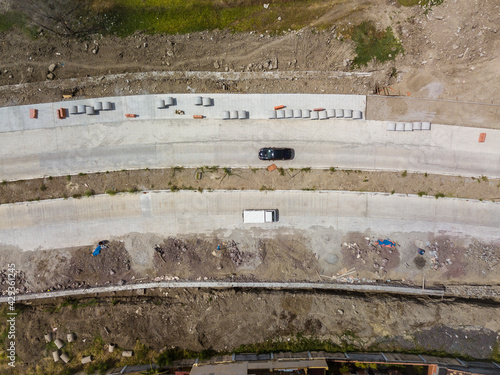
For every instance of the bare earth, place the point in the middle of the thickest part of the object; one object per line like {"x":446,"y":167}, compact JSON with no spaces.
{"x":451,"y":55}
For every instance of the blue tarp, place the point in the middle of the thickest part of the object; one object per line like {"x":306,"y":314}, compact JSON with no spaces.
{"x":97,"y":251}
{"x":386,"y":243}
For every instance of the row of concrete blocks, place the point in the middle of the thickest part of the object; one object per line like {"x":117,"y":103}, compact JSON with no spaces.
{"x":165,"y":103}
{"x":204,"y":101}
{"x":316,"y":115}
{"x":234,"y":115}
{"x":90,"y":110}
{"x":408,"y":126}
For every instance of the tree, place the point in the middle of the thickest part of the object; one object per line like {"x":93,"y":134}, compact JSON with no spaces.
{"x":63,"y":17}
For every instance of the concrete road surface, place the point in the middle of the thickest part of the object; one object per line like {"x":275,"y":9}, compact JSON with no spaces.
{"x":72,"y":222}
{"x":164,"y":143}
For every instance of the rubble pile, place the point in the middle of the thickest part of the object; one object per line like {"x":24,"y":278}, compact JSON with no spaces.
{"x":487,"y":253}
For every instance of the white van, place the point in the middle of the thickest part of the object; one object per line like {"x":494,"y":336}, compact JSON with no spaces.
{"x":260,"y":216}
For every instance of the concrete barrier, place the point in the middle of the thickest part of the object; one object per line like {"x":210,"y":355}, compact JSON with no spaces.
{"x":87,"y":359}
{"x":59,"y":343}
{"x":127,"y":353}
{"x":65,"y":357}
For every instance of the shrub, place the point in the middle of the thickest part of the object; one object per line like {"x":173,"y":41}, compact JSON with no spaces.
{"x":89,"y":193}
{"x":380,"y":45}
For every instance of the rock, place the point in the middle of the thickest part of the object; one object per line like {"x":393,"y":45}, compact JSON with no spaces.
{"x":216,"y":64}
{"x":111,"y":272}
{"x":121,"y":282}
{"x":52,"y":67}
{"x":145,"y":45}
{"x":95,"y":50}
{"x":50,"y":76}
{"x":341,"y":312}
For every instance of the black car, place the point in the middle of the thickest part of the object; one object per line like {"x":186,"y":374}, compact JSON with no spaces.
{"x":273,"y":153}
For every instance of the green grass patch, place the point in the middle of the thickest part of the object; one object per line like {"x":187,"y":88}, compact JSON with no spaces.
{"x":373,"y":44}
{"x":11,"y":19}
{"x":124,"y":17}
{"x":424,"y":3}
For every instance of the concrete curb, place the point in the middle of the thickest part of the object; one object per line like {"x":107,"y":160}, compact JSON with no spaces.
{"x":230,"y":285}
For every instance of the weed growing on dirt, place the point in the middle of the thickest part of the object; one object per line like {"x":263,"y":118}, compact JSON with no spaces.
{"x":77,"y":196}
{"x":404,"y":173}
{"x":43,"y":187}
{"x":484,"y":178}
{"x":393,"y":191}
{"x":132,"y":190}
{"x":307,"y":169}
{"x":176,"y":169}
{"x":88,"y":193}
{"x":4,"y":182}
{"x":281,"y":171}
{"x":332,"y":169}
{"x":212,"y":169}
{"x":421,"y":193}
{"x":371,"y":43}
{"x":68,"y":177}
{"x":265,"y":188}
{"x":82,"y":174}
{"x":111,"y":192}
{"x":439,"y":195}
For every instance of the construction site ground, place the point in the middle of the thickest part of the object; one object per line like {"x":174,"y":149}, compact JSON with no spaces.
{"x":451,"y":53}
